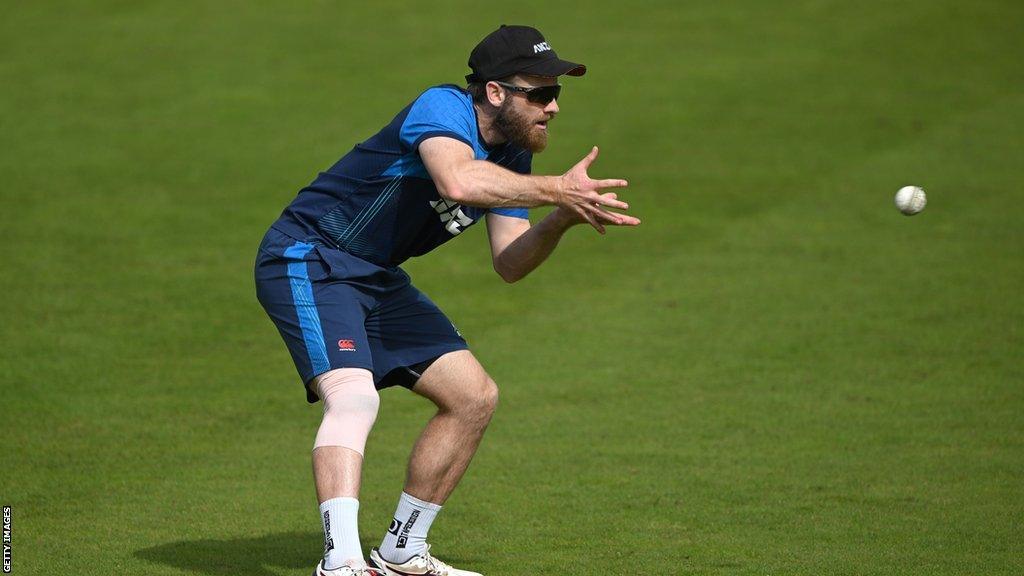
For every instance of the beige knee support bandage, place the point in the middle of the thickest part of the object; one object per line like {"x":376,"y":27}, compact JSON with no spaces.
{"x":350,"y":408}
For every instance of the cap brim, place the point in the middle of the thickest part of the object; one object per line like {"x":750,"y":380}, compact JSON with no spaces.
{"x":555,"y":67}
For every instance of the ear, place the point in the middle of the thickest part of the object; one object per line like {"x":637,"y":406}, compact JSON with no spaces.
{"x":495,"y":93}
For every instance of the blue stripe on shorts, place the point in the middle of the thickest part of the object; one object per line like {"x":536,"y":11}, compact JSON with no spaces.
{"x":305,"y":306}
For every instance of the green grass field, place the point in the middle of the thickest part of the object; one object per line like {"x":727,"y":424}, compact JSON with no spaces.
{"x":776,"y":374}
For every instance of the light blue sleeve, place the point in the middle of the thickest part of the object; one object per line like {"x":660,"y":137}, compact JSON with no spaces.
{"x":440,"y":111}
{"x":513,"y":212}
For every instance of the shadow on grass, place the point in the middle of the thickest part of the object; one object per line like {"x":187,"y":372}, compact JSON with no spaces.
{"x":248,"y":556}
{"x":237,"y":556}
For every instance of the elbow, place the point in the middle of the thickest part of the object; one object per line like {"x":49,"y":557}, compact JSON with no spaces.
{"x":508,"y":275}
{"x":452,"y":193}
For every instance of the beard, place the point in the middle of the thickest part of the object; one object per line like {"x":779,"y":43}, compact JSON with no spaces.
{"x":519,"y":129}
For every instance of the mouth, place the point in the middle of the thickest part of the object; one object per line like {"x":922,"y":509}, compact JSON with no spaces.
{"x":543,"y":124}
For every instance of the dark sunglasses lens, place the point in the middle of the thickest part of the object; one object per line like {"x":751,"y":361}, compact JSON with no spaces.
{"x":544,"y":95}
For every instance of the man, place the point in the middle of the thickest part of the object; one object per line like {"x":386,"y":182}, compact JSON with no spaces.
{"x":328,"y":275}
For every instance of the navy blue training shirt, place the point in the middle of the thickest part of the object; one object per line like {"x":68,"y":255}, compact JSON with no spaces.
{"x":379,"y":203}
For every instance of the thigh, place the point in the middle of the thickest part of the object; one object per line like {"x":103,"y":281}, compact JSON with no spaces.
{"x":321,"y":321}
{"x":455,"y":380}
{"x":405,"y":330}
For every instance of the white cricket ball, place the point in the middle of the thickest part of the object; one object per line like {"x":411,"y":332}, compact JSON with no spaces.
{"x":911,"y":200}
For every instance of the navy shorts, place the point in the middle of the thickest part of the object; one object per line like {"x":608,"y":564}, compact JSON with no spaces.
{"x":335,"y":310}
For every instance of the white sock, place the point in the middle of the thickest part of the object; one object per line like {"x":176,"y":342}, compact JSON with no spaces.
{"x":340,"y":517}
{"x":407,"y":536}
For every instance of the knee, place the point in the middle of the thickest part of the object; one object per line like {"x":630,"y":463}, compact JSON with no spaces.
{"x":350,"y":408}
{"x":362,"y":404}
{"x":348,"y":390}
{"x":489,"y":396}
{"x":478,"y":402}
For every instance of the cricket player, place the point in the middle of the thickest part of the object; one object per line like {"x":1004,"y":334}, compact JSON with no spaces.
{"x":328,"y":275}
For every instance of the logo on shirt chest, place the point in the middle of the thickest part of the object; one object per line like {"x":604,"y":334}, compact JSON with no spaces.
{"x":451,"y":215}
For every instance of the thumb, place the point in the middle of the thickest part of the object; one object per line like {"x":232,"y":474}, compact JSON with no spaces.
{"x":589,"y":158}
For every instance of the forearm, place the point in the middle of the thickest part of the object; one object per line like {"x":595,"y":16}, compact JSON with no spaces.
{"x":486,"y":185}
{"x":533,"y":247}
{"x":461,"y":179}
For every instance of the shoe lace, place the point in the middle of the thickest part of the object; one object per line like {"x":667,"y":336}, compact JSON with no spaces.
{"x":436,"y":566}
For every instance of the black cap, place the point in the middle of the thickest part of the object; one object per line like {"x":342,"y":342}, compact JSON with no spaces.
{"x":513,"y":49}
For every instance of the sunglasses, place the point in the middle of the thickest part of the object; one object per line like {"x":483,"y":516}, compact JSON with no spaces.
{"x":537,"y":94}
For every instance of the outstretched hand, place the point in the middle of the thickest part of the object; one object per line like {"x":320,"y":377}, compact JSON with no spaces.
{"x":580,"y":197}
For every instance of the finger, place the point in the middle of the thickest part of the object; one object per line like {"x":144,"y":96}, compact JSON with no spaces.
{"x":614,"y":196}
{"x":611,"y":183}
{"x":589,"y":158}
{"x":611,"y":219}
{"x":605,"y":215}
{"x":628,"y":220}
{"x":597,"y":226}
{"x":607,"y":219}
{"x":611,"y":202}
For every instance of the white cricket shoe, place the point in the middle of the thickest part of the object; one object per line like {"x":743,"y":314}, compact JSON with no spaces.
{"x":422,"y":565}
{"x":346,"y":571}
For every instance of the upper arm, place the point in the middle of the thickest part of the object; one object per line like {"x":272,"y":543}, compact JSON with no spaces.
{"x":443,"y":157}
{"x":502,"y":230}
{"x":441,"y":127}
{"x":504,"y":225}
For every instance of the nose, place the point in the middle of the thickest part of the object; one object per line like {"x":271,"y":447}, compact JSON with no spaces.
{"x":552,"y":107}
